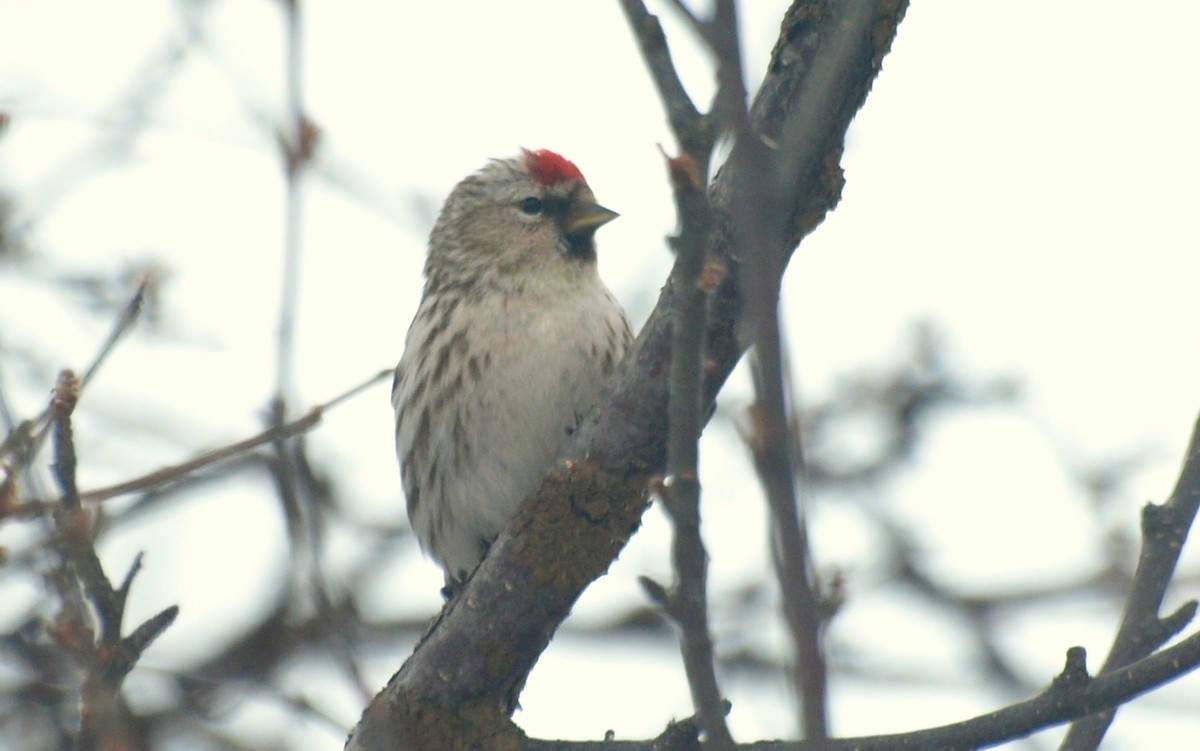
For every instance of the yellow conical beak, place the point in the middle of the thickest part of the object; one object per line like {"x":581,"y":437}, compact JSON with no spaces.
{"x":583,"y":217}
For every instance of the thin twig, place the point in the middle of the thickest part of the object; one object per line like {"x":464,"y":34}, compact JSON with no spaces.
{"x":62,"y":404}
{"x":687,"y":602}
{"x":298,"y":145}
{"x":129,"y":316}
{"x":1071,"y":695}
{"x":27,"y":439}
{"x":758,"y":222}
{"x":106,"y":657}
{"x":778,"y":174}
{"x":175,"y":472}
{"x":1164,"y":530}
{"x":647,"y":31}
{"x":300,"y":508}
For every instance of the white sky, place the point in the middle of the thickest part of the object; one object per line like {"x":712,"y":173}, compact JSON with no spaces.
{"x":1025,"y":174}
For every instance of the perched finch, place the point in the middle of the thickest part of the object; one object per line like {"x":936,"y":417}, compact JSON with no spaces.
{"x":510,"y":347}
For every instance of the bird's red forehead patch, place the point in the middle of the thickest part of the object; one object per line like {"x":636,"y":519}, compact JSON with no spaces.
{"x":549,"y":168}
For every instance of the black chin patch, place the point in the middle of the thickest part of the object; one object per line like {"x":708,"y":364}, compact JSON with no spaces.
{"x":582,"y":247}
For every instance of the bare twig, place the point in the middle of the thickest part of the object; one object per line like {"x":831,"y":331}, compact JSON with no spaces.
{"x":773,"y":445}
{"x":107,"y":657}
{"x":1071,"y":695}
{"x":301,"y":495}
{"x":173,"y":473}
{"x":682,"y":9}
{"x":687,"y":601}
{"x":27,"y":440}
{"x":1164,"y":530}
{"x":129,"y":316}
{"x":686,"y":121}
{"x":758,"y":218}
{"x":298,"y":144}
{"x":689,"y":598}
{"x":777,"y":170}
{"x":62,"y":404}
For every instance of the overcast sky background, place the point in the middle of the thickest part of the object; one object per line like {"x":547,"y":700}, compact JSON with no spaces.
{"x":1025,"y":175}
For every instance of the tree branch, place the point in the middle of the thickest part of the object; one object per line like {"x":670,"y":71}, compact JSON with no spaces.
{"x":1164,"y":530}
{"x":1071,"y":695}
{"x":105,"y":657}
{"x":686,"y":603}
{"x":298,"y":143}
{"x":29,"y":437}
{"x":785,"y":165}
{"x":165,"y":476}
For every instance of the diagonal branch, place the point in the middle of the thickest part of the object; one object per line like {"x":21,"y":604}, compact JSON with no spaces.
{"x":687,"y":601}
{"x":1164,"y":530}
{"x":29,"y":436}
{"x":165,"y":476}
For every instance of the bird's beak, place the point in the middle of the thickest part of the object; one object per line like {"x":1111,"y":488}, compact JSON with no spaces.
{"x":583,"y":217}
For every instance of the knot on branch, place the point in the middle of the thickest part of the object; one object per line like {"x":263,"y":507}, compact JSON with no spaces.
{"x":300,"y":147}
{"x":1156,"y":519}
{"x":683,"y":735}
{"x":1074,"y":677}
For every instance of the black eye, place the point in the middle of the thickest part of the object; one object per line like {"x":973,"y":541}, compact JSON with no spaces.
{"x":532,"y":205}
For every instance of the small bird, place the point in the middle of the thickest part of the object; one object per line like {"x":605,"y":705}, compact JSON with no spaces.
{"x":509,"y":350}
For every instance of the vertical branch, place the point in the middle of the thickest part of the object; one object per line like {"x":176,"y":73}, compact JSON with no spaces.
{"x":759,"y":212}
{"x":62,"y":404}
{"x":758,"y":215}
{"x":687,"y":602}
{"x":758,"y":219}
{"x":106,"y":657}
{"x":300,"y":491}
{"x":689,"y":598}
{"x":298,"y":144}
{"x":296,"y":141}
{"x":772,"y":451}
{"x":778,"y":173}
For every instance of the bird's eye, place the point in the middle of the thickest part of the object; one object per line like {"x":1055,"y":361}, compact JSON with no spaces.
{"x":532,"y":205}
